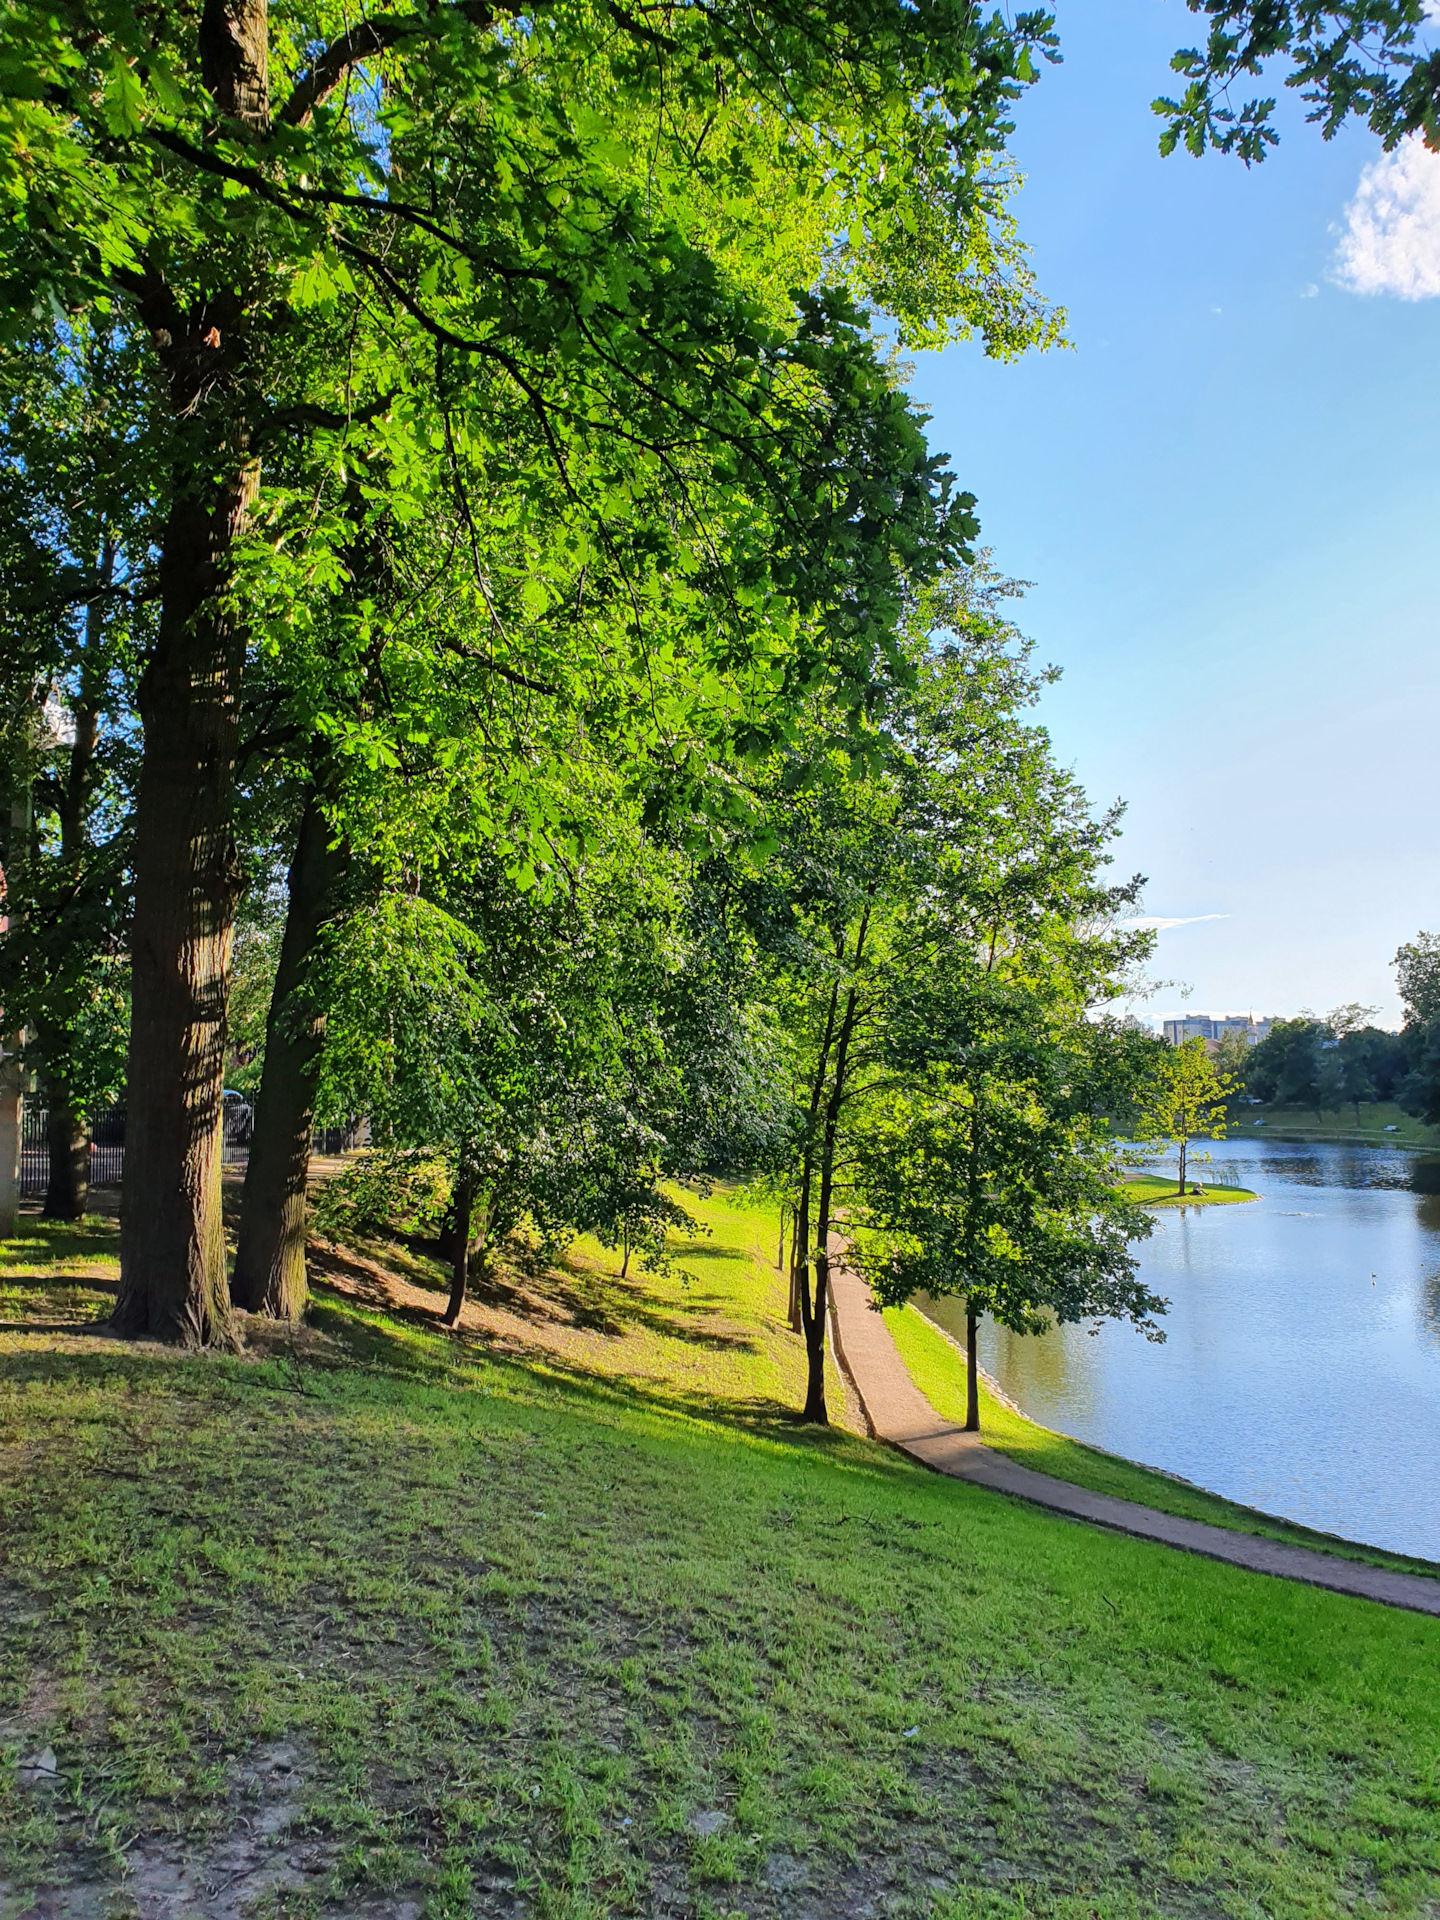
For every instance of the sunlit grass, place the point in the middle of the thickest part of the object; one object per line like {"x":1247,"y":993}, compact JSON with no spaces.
{"x":570,"y":1643}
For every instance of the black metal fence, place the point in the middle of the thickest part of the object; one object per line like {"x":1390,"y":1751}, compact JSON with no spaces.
{"x":107,"y":1149}
{"x":107,"y":1145}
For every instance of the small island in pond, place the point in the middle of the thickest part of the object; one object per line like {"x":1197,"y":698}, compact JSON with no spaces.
{"x":1163,"y":1190}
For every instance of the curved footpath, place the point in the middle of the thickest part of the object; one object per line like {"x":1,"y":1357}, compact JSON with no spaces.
{"x":899,"y":1413}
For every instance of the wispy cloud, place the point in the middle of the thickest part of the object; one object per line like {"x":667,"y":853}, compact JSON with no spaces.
{"x":1391,"y":242}
{"x":1161,"y":922}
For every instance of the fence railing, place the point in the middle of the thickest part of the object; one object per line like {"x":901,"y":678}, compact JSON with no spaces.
{"x":107,"y":1145}
{"x":107,"y":1148}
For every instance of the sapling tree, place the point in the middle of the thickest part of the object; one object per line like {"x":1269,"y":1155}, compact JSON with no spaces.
{"x":1187,"y":1096}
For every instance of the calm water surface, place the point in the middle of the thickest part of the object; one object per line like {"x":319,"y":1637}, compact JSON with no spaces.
{"x":1301,"y":1368}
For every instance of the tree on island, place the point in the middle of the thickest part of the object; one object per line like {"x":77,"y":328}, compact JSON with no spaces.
{"x":1188,"y":1096}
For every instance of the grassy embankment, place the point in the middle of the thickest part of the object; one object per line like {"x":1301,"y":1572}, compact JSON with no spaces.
{"x":563,"y":1617}
{"x":1162,"y":1190}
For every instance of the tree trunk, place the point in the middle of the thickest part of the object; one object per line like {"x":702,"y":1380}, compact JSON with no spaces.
{"x":172,"y":1241}
{"x":1183,"y":1145}
{"x":815,"y":1316}
{"x":12,"y":1120}
{"x":68,"y":1190}
{"x":269,"y":1272}
{"x":460,"y":1257}
{"x":12,"y":1072}
{"x":972,"y":1371}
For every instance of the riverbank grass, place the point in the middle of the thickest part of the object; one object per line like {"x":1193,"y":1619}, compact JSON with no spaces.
{"x":937,"y":1366}
{"x":381,"y":1622}
{"x":1378,"y":1124}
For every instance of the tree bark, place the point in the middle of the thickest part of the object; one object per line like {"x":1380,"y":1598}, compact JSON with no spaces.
{"x":815,"y":1312}
{"x":1183,"y":1144}
{"x":172,"y":1243}
{"x":460,"y":1257}
{"x":800,"y":1224}
{"x":68,"y":1190}
{"x":12,"y":1120}
{"x":972,"y":1371}
{"x":269,"y":1272}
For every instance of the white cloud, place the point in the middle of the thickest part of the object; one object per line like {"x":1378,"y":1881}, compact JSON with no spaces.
{"x":1160,"y":922}
{"x":1391,"y":242}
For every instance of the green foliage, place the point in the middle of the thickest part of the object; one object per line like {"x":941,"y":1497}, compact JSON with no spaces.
{"x":547,"y":263}
{"x":1346,"y":60}
{"x":73,"y":467}
{"x":395,"y":1190}
{"x":1187,"y":1095}
{"x":1417,"y":976}
{"x":937,"y":934}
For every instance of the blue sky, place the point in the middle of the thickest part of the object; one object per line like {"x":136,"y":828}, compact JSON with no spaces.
{"x":1228,"y":498}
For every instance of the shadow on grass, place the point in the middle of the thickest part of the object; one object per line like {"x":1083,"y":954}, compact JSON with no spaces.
{"x":464,"y":1356}
{"x":568,"y":1294}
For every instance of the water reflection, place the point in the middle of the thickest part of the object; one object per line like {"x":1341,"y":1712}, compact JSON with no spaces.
{"x":1301,"y":1369}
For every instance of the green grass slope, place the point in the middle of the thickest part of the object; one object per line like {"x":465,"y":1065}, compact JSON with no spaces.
{"x":388,"y":1623}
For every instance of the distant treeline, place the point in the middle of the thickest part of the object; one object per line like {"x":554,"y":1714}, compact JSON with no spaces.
{"x":1340,"y":1060}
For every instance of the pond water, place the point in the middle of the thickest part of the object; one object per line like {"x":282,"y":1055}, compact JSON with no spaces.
{"x":1301,"y":1368}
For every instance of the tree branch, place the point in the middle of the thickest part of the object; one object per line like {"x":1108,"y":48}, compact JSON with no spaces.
{"x":365,"y":40}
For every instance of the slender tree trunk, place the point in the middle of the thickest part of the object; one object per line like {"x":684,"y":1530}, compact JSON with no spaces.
{"x":800,"y":1222}
{"x":460,"y":1256}
{"x":972,"y":1370}
{"x":815,"y":1322}
{"x":68,"y":1190}
{"x":172,"y":1243}
{"x":12,"y":1073}
{"x":780,"y":1256}
{"x":12,"y":1120}
{"x":1183,"y":1144}
{"x":269,"y":1272}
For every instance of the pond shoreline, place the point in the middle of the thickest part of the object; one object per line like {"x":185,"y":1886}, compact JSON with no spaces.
{"x":1300,"y":1373}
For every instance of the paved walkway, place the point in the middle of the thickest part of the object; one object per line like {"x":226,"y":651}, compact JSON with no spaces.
{"x":899,"y":1413}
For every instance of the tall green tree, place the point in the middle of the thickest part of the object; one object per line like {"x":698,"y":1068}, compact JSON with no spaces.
{"x":945,"y":871}
{"x":320,"y":224}
{"x":73,"y":458}
{"x":986,"y":1175}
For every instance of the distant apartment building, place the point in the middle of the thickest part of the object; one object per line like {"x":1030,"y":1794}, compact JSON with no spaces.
{"x":1212,"y":1028}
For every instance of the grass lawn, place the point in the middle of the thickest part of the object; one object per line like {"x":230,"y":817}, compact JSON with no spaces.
{"x":937,"y":1367}
{"x":381,"y":1621}
{"x":1160,"y":1190}
{"x":1381,"y":1124}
